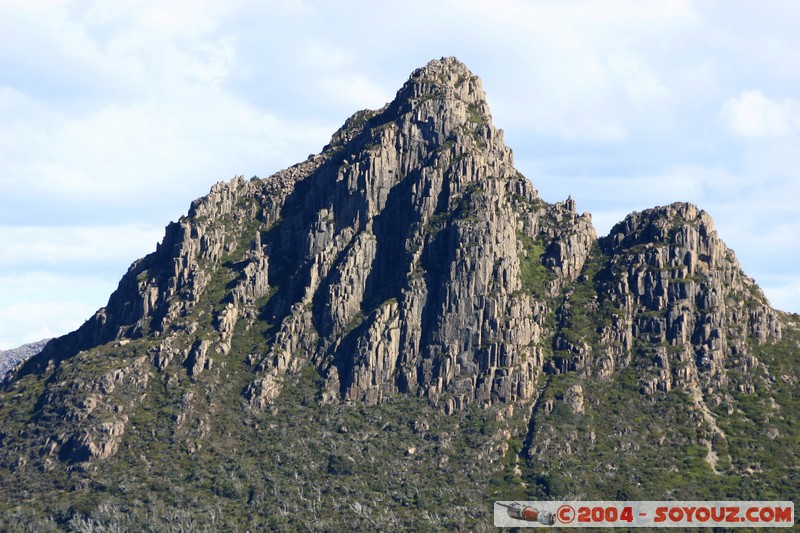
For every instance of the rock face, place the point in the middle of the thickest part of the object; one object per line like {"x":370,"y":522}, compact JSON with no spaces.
{"x":663,"y":278}
{"x":408,"y":259}
{"x":683,"y":289}
{"x":395,"y":259}
{"x":10,"y":358}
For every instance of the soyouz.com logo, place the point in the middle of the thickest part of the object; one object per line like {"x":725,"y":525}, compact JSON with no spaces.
{"x":644,"y":514}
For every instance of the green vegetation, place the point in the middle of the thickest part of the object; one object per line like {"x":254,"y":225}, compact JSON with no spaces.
{"x":614,"y":445}
{"x":587,"y":308}
{"x":302,"y":464}
{"x":535,"y":276}
{"x":476,"y":116}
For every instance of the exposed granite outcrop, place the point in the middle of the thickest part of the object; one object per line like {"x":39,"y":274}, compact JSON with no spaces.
{"x":408,"y":257}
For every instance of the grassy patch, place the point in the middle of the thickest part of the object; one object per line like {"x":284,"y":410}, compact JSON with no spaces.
{"x":535,"y":276}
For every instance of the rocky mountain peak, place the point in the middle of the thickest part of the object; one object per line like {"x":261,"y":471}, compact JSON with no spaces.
{"x":442,"y":107}
{"x":680,"y":222}
{"x":407,"y":266}
{"x":446,"y":79}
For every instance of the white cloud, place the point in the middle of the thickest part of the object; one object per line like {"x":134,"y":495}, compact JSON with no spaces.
{"x":62,"y":246}
{"x":54,"y":278}
{"x":146,"y":152}
{"x":751,"y":114}
{"x":355,"y":91}
{"x":36,"y":305}
{"x":681,"y":183}
{"x":603,"y":221}
{"x":162,"y":123}
{"x":582,"y":71}
{"x":325,"y":56}
{"x":27,"y":322}
{"x":783,"y":293}
{"x":641,"y":84}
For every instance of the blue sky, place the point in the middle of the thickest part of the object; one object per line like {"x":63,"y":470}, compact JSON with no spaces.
{"x":115,"y":115}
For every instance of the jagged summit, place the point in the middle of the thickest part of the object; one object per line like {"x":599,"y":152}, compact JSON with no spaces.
{"x":442,"y":105}
{"x":656,"y":224}
{"x":446,"y":79}
{"x":406,"y":283}
{"x":447,"y":71}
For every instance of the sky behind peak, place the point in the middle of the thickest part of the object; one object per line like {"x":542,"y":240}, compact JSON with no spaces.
{"x":115,"y":115}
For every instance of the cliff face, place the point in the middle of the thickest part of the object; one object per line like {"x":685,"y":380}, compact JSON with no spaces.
{"x":409,"y":259}
{"x":664,"y":280}
{"x":393,"y":260}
